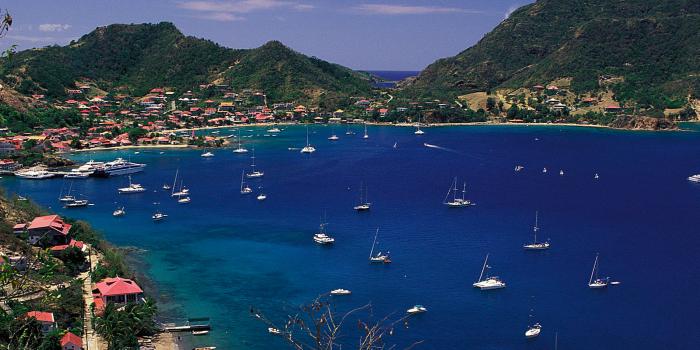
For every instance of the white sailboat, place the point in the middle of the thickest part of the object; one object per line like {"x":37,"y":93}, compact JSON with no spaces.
{"x":67,"y":197}
{"x":365,"y":136}
{"x":132,"y":188}
{"x":594,"y":281}
{"x":349,"y":131}
{"x":379,"y":258}
{"x":183,"y":191}
{"x":308,"y":148}
{"x":536,"y":245}
{"x":333,"y":136}
{"x":364,"y":205}
{"x":254,"y":173}
{"x":322,"y":236}
{"x":487,"y":282}
{"x":245,"y":189}
{"x":240,"y":148}
{"x":207,"y":155}
{"x":456,"y":202}
{"x":418,"y":130}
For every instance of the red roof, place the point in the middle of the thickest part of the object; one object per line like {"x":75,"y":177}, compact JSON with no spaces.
{"x":73,"y":243}
{"x":44,"y":317}
{"x":50,"y":221}
{"x":70,"y":338}
{"x":118,"y":286}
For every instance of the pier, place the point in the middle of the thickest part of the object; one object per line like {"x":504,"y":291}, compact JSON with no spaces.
{"x":192,"y":324}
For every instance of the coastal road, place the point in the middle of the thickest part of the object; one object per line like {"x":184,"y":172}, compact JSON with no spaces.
{"x":90,"y":339}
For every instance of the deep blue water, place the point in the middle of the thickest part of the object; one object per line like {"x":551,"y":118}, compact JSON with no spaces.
{"x":223,"y":253}
{"x":392,"y":76}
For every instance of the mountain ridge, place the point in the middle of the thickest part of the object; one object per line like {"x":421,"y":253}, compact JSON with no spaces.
{"x":652,"y":46}
{"x":143,"y":56}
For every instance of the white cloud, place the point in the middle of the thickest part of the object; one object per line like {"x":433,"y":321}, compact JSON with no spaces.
{"x":510,"y":11}
{"x":220,"y":17}
{"x":242,"y":6}
{"x":34,"y":39}
{"x":387,"y":9}
{"x":53,"y":27}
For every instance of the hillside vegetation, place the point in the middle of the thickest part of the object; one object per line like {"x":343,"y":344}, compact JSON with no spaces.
{"x":647,"y":51}
{"x":143,"y":56}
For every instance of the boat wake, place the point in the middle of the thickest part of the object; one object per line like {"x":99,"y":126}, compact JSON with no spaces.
{"x":439,"y":147}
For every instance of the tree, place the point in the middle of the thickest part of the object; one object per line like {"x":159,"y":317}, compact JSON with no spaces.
{"x":73,"y":260}
{"x":316,"y":326}
{"x":490,"y":103}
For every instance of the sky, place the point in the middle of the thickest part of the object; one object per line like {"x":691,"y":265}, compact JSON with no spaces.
{"x":367,"y":35}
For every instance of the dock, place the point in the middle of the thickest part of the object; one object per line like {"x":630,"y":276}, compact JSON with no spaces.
{"x":192,"y":324}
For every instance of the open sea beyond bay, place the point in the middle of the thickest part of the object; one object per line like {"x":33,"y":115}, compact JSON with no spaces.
{"x":223,"y":253}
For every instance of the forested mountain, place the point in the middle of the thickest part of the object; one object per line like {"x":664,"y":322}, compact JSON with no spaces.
{"x":143,"y":56}
{"x":644,"y":50}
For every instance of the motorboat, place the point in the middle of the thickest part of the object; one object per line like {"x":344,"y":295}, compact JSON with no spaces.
{"x":184,"y":200}
{"x":35,"y":175}
{"x":158,"y":216}
{"x":78,"y":203}
{"x":207,"y":154}
{"x":533,"y":331}
{"x":417,"y":309}
{"x":119,"y":212}
{"x":693,"y":178}
{"x":340,"y":291}
{"x":119,"y":166}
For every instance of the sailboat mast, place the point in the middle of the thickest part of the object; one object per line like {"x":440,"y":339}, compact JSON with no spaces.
{"x":483,"y":268}
{"x":449,"y":190}
{"x":595,"y":265}
{"x":242,"y":173}
{"x":172,"y":190}
{"x":464,"y":192}
{"x":536,"y":228}
{"x":307,"y":136}
{"x":454,"y":188}
{"x":371,"y":252}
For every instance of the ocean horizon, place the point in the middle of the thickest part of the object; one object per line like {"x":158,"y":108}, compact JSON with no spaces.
{"x":224,"y":253}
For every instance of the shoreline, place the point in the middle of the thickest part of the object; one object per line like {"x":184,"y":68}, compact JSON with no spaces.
{"x":130,"y":147}
{"x":403,"y":125}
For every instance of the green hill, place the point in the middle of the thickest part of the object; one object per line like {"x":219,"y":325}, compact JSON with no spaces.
{"x":142,"y":56}
{"x":647,"y":50}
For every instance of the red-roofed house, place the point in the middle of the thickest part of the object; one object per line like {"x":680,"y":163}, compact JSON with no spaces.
{"x":613,"y":108}
{"x":48,"y":231}
{"x":48,"y":323}
{"x":116,"y":290}
{"x":70,"y":341}
{"x":73,"y":243}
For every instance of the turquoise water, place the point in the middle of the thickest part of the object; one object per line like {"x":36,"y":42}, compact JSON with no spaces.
{"x":224,"y":253}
